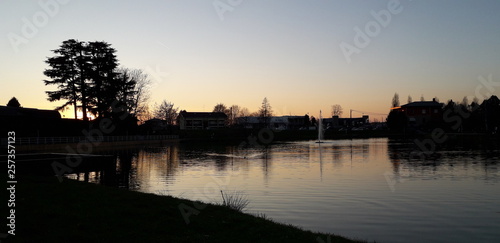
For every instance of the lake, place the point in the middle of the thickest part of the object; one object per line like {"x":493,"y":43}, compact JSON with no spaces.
{"x":370,"y":189}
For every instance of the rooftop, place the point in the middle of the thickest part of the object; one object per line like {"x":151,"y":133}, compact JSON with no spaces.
{"x":186,"y":114}
{"x":423,"y":104}
{"x":29,"y":112}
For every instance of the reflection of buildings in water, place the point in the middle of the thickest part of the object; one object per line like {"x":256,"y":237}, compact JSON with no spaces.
{"x":348,"y":152}
{"x":444,"y":162}
{"x":401,"y":154}
{"x":336,"y":153}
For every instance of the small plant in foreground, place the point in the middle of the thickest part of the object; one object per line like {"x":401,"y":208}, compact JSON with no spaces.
{"x":235,"y":200}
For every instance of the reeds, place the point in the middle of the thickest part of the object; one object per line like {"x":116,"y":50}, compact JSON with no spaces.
{"x":235,"y":200}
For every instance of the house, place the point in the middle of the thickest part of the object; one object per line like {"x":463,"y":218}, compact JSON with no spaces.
{"x":249,"y":122}
{"x":275,"y":122}
{"x":156,"y":126}
{"x":297,"y":122}
{"x":7,"y":112}
{"x":29,"y":122}
{"x":422,"y":112}
{"x":201,"y":120}
{"x":337,"y":122}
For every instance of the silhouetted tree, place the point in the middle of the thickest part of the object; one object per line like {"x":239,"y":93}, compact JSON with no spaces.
{"x":67,"y":72}
{"x":104,"y":86}
{"x":254,"y":114}
{"x":13,"y":102}
{"x":313,"y":121}
{"x":475,"y":100}
{"x":337,"y":110}
{"x":133,"y":91}
{"x":145,"y":114}
{"x":142,"y":92}
{"x":409,"y":99}
{"x":84,"y":72}
{"x":455,"y":115}
{"x":491,"y":113}
{"x":422,"y":98}
{"x":220,"y":108}
{"x":233,"y":114}
{"x":397,"y":120}
{"x":244,"y":112}
{"x":307,"y":121}
{"x":450,"y":105}
{"x":395,"y":100}
{"x":465,"y":102}
{"x":473,"y":123}
{"x":167,"y":112}
{"x":125,"y":89}
{"x":265,"y":111}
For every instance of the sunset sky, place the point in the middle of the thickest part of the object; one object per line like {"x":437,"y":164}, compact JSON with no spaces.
{"x":200,"y":53}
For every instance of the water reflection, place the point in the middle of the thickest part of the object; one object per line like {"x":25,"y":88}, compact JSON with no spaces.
{"x":140,"y":167}
{"x":466,"y":161}
{"x":370,"y":189}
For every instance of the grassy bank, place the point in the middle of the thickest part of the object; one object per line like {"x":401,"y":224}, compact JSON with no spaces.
{"x":71,"y":211}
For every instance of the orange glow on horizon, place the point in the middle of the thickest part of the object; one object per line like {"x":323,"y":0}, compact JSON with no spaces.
{"x":70,"y":114}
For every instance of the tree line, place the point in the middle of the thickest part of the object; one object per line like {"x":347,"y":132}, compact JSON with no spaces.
{"x":464,"y":116}
{"x":87,"y":76}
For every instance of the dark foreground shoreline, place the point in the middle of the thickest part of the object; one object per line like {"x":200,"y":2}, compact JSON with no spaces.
{"x":70,"y":211}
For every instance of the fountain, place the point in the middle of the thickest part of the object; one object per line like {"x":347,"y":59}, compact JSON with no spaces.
{"x":320,"y":128}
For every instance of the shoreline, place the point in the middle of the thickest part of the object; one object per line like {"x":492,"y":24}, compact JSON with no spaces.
{"x":235,"y":137}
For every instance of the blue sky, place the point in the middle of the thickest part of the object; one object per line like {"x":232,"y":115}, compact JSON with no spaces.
{"x":287,"y":51}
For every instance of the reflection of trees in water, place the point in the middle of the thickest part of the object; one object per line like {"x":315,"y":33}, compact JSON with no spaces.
{"x":157,"y":163}
{"x":457,"y":160}
{"x":126,"y":169}
{"x":266,"y":162}
{"x":164,"y":160}
{"x":132,"y":164}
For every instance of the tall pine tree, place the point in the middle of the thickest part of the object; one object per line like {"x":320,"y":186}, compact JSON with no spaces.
{"x":84,"y":73}
{"x":104,"y":82}
{"x":66,"y":74}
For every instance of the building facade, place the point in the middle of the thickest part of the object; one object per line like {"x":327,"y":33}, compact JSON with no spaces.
{"x":421,"y":113}
{"x":275,"y":122}
{"x":337,"y":122}
{"x":201,"y":120}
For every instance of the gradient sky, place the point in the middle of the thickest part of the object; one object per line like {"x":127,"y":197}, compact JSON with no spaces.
{"x":287,"y":51}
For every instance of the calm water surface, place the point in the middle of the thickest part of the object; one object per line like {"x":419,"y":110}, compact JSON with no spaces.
{"x":366,"y":189}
